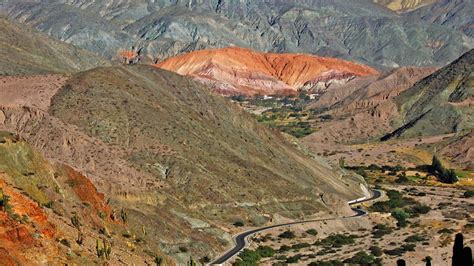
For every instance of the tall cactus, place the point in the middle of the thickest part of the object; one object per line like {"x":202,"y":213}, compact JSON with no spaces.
{"x":466,"y":256}
{"x":457,"y":249}
{"x":158,"y":260}
{"x":107,"y":249}
{"x":99,"y":246}
{"x":103,"y":248}
{"x":191,"y":262}
{"x":2,"y":199}
{"x":123,"y":215}
{"x":75,"y":221}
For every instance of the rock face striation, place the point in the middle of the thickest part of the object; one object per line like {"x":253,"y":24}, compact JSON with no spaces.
{"x":360,"y":31}
{"x":236,"y":71}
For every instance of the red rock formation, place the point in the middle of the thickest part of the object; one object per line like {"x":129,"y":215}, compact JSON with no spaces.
{"x":234,"y":70}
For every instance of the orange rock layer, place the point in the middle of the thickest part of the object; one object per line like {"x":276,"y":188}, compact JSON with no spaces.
{"x":236,"y":70}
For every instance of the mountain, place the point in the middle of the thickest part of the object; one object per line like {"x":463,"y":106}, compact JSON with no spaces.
{"x":456,"y":14}
{"x":360,"y":31}
{"x":363,"y":108}
{"x":404,"y":5}
{"x":400,"y":117}
{"x":182,"y":163}
{"x":26,"y":51}
{"x":235,"y":71}
{"x":439,"y":104}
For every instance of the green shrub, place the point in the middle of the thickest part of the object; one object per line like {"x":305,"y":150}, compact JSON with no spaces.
{"x":394,"y":252}
{"x":293,"y":259}
{"x":409,"y":247}
{"x":265,"y":251}
{"x":380,"y":230}
{"x":414,"y":238}
{"x":238,"y":224}
{"x":336,"y":241}
{"x":361,"y":258}
{"x":312,"y":232}
{"x":287,"y":234}
{"x":327,"y":263}
{"x":469,"y":193}
{"x":284,"y":248}
{"x":300,"y":246}
{"x":400,"y":215}
{"x":376,"y":251}
{"x":248,"y":257}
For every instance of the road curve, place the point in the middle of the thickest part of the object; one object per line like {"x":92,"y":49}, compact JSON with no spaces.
{"x":241,"y":239}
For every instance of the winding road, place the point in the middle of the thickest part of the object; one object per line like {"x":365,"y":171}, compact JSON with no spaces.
{"x":241,"y":239}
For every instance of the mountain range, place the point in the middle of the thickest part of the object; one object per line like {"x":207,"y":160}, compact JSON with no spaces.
{"x":231,"y":116}
{"x":149,"y":161}
{"x":360,"y":31}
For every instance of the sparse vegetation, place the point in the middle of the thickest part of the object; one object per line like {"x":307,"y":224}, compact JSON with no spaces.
{"x":336,"y":241}
{"x":238,"y":224}
{"x":361,"y":257}
{"x":287,"y":234}
{"x":444,"y":175}
{"x":251,"y":257}
{"x":469,"y":194}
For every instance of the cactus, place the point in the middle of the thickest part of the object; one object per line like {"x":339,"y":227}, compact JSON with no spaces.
{"x":191,"y":262}
{"x":123,"y":215}
{"x":401,"y":262}
{"x":143,"y":231}
{"x":99,"y":246}
{"x":80,"y":238}
{"x":75,"y":221}
{"x":466,"y":256}
{"x":158,"y":260}
{"x":457,"y":249}
{"x":113,"y":215}
{"x":108,"y":249}
{"x":2,"y":199}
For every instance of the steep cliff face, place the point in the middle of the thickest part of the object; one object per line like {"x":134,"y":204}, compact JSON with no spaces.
{"x":360,"y":31}
{"x":237,"y":70}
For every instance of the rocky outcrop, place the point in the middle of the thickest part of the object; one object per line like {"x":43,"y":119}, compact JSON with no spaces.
{"x":235,"y":70}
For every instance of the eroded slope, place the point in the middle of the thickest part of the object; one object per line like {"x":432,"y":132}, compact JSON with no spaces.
{"x":235,"y":70}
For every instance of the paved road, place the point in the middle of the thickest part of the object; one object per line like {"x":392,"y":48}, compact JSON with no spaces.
{"x":241,"y":239}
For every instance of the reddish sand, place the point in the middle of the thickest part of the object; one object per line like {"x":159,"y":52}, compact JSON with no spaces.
{"x":236,"y":70}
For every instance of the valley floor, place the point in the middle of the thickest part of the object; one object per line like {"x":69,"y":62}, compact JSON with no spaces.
{"x":378,"y":235}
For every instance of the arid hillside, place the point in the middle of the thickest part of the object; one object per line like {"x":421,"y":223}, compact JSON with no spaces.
{"x":51,"y":214}
{"x":25,"y":51}
{"x":234,"y":70}
{"x":183,"y":163}
{"x":421,"y":112}
{"x":439,"y":104}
